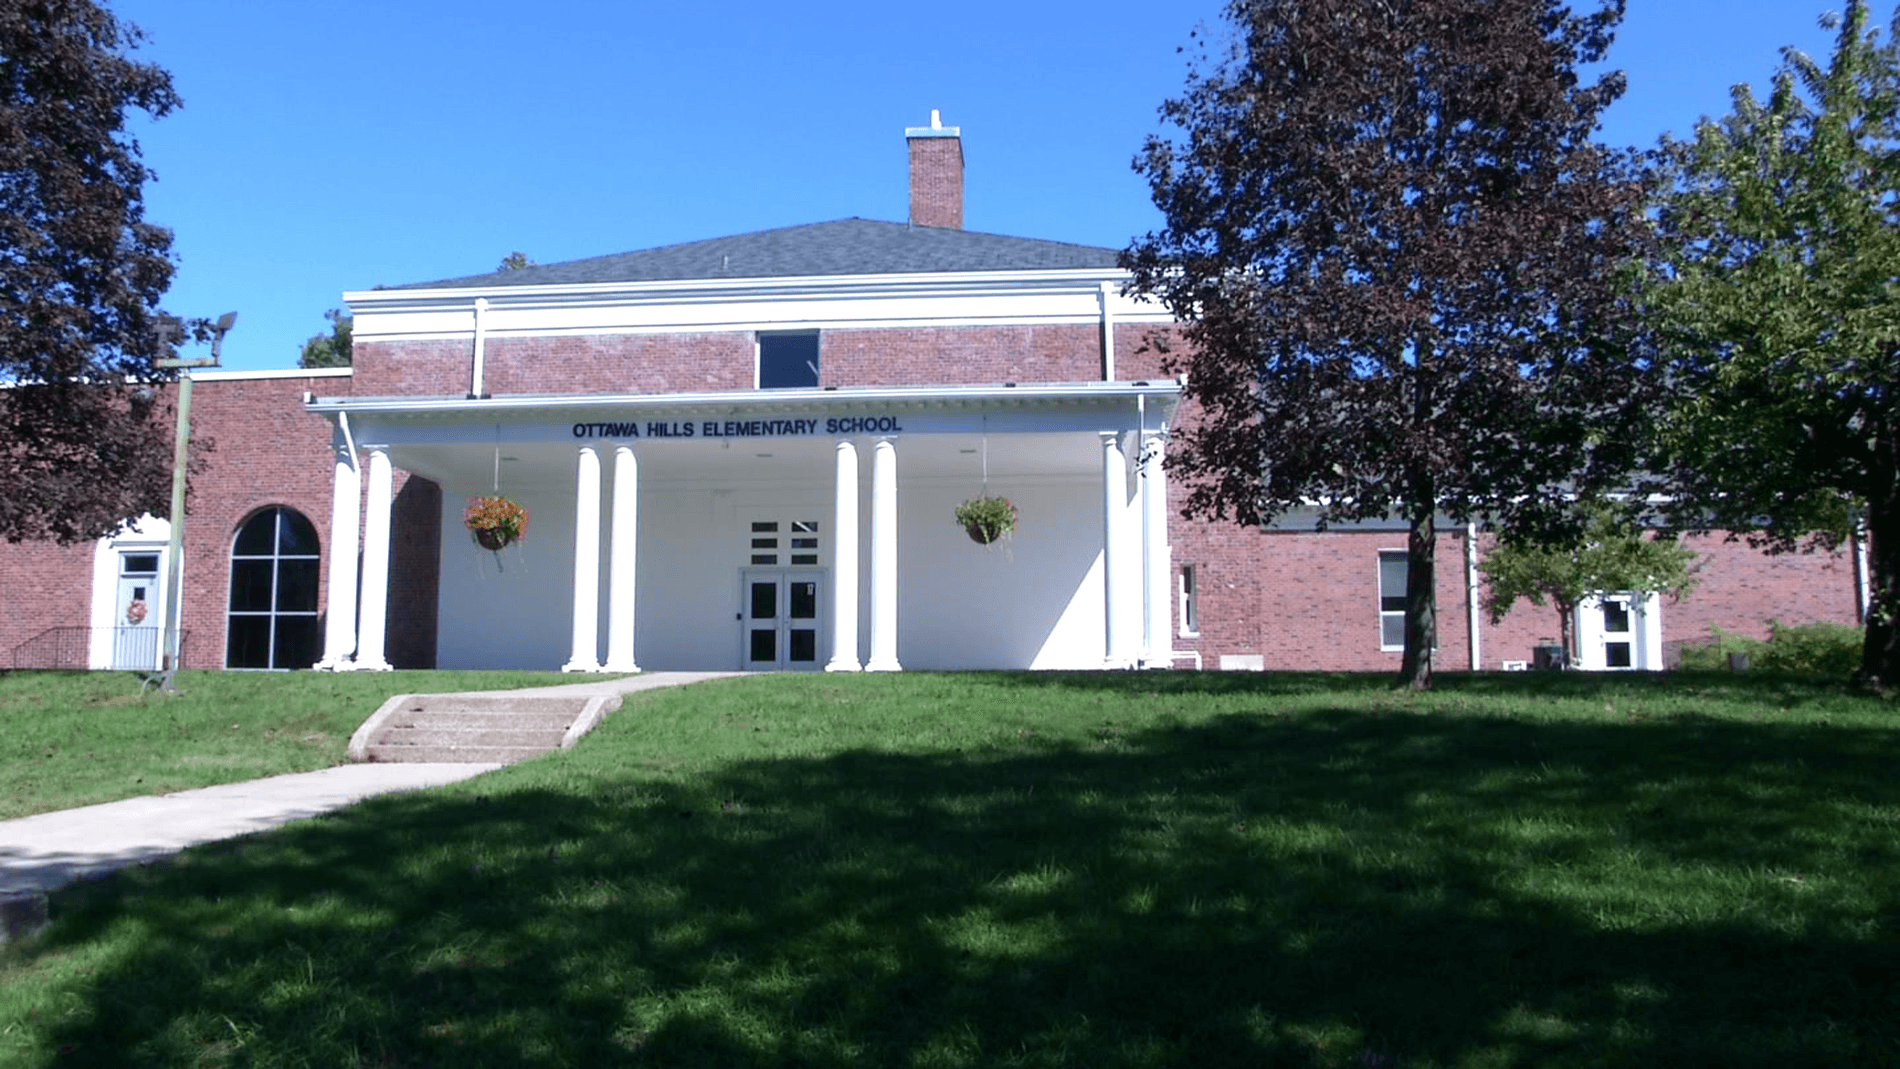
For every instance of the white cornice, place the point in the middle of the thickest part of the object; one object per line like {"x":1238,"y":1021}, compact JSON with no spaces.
{"x":841,"y":399}
{"x":922,"y":284}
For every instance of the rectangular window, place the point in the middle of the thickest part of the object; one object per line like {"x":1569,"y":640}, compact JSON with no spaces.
{"x":1190,"y":611}
{"x":788,"y":361}
{"x":1393,"y":570}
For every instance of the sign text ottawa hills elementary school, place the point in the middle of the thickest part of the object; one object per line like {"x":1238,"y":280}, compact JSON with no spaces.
{"x":739,"y":428}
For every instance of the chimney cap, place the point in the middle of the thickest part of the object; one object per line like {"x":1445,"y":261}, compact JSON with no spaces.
{"x":935,"y":129}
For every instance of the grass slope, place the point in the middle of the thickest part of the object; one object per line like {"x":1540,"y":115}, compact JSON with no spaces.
{"x":81,"y":738}
{"x":1049,"y":870}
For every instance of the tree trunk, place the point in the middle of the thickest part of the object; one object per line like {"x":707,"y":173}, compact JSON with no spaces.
{"x":1566,"y":623}
{"x":1421,"y":604}
{"x":1880,"y":653}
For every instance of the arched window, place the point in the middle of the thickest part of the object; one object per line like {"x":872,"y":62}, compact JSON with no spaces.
{"x":273,"y":618}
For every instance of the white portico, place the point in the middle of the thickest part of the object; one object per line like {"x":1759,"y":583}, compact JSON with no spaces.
{"x":790,"y":529}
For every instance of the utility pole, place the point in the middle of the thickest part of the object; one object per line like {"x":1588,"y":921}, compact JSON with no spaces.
{"x":181,"y":460}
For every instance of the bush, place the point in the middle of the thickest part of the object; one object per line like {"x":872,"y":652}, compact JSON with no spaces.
{"x":1827,"y":650}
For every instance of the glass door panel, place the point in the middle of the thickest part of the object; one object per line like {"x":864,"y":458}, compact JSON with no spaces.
{"x":781,"y":620}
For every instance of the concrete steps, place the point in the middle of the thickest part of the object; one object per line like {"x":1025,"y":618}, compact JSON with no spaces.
{"x":477,"y":727}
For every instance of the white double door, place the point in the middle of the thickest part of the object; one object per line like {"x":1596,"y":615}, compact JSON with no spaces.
{"x":781,"y":615}
{"x":1619,"y":632}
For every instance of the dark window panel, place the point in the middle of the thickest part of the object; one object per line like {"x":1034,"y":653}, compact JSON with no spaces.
{"x":297,"y":586}
{"x":251,"y":585}
{"x":247,"y":643}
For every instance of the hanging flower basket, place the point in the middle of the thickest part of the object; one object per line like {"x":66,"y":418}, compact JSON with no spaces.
{"x":496,"y":522}
{"x":987,"y":519}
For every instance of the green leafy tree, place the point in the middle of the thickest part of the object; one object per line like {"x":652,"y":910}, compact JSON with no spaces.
{"x":1394,"y":248}
{"x":332,"y":349}
{"x":1776,"y":313}
{"x":1609,"y":555}
{"x":83,"y":442}
{"x":516,"y":261}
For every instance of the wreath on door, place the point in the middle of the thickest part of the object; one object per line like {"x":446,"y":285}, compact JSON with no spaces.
{"x":135,"y":612}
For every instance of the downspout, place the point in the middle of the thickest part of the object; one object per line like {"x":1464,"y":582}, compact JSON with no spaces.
{"x":481,"y":335}
{"x":1471,"y":593}
{"x":1108,"y":333}
{"x":1148,"y":643}
{"x":1863,"y":591}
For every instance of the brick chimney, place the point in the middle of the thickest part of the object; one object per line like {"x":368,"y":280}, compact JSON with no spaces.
{"x":936,"y":174}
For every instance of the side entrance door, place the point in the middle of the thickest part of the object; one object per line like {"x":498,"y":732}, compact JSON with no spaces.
{"x":780,"y":614}
{"x":1614,"y":632}
{"x":137,"y":626}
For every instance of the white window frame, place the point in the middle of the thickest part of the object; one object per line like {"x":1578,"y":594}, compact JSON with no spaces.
{"x":1187,"y":591}
{"x":1379,"y":589}
{"x":758,"y":357}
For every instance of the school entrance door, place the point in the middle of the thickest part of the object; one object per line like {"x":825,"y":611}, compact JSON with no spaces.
{"x":780,"y":619}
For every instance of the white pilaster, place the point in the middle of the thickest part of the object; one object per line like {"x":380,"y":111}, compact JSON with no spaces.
{"x":1156,"y":561}
{"x":622,"y":562}
{"x":844,"y":563}
{"x":1115,"y":553}
{"x":586,"y":649}
{"x":883,"y":558}
{"x":346,"y":514}
{"x":370,"y":656}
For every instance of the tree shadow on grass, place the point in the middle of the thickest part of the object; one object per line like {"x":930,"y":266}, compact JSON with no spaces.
{"x":1334,"y":888}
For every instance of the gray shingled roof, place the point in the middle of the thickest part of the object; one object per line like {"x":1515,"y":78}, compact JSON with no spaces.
{"x":840,"y":247}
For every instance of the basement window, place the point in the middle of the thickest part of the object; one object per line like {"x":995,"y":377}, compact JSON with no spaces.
{"x":788,"y":361}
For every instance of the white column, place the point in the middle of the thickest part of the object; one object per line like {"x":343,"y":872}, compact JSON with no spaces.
{"x":586,"y":650}
{"x":346,"y":513}
{"x":1156,"y":562}
{"x":1114,"y":552}
{"x":374,"y":623}
{"x":622,"y":562}
{"x":844,"y":563}
{"x":883,"y":559}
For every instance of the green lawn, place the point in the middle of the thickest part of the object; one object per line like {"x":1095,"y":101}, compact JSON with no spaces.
{"x":80,"y":738}
{"x":1095,"y":870}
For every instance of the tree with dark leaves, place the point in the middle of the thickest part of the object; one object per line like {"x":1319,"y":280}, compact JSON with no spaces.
{"x":84,"y":442}
{"x":1396,"y":252}
{"x":333,"y":349}
{"x":1778,"y":310}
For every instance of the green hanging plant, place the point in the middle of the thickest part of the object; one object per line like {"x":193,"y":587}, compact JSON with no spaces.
{"x":987,"y":518}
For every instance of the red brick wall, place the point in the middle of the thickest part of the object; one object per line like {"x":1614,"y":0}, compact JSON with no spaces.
{"x":45,"y":586}
{"x":960,"y":355}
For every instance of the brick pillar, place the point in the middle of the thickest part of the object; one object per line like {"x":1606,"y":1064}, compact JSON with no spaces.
{"x":936,"y":174}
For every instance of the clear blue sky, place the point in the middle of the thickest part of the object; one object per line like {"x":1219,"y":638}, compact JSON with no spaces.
{"x":335,"y":146}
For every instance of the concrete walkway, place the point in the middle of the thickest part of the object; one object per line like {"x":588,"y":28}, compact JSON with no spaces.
{"x":45,"y":852}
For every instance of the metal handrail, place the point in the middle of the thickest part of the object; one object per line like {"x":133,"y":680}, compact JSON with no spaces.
{"x":136,"y":649}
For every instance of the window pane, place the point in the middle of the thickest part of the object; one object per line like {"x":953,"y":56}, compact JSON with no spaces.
{"x":1391,"y":629}
{"x":296,"y":585}
{"x":802,"y":646}
{"x":765,"y":543}
{"x":764,"y":645}
{"x":257,"y":536}
{"x":250,"y":585}
{"x":804,"y":601}
{"x":764,"y":600}
{"x":247,"y":644}
{"x":804,"y":558}
{"x":138,"y":564}
{"x":1616,"y":617}
{"x":1392,"y":570}
{"x":1616,"y":654}
{"x":806,"y":526}
{"x":765,"y":558}
{"x":295,"y":536}
{"x":804,"y":543}
{"x":296,"y":645}
{"x":764,"y":525}
{"x":788,"y":361}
